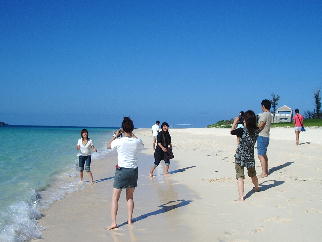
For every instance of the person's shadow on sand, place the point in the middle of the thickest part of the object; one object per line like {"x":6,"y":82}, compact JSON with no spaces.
{"x":181,"y":170}
{"x":104,"y":179}
{"x":305,"y":143}
{"x":276,"y":168}
{"x":263,"y":187}
{"x":163,"y":209}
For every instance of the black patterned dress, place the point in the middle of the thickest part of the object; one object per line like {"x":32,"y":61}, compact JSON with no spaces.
{"x":245,"y":151}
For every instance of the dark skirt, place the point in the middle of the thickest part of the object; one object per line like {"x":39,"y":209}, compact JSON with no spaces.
{"x":125,"y":177}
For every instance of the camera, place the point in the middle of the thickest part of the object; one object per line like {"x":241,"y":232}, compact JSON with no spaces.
{"x":118,"y":133}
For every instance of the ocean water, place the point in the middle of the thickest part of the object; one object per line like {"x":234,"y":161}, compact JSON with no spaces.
{"x":37,"y":167}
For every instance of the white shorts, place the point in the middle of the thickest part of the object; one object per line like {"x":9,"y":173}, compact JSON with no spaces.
{"x":298,"y":129}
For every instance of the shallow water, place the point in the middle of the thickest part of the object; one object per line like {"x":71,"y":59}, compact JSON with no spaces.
{"x":37,"y":167}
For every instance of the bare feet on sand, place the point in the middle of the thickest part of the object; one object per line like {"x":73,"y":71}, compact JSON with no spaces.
{"x":263,"y":175}
{"x":113,"y":226}
{"x":256,"y":189}
{"x":151,"y":175}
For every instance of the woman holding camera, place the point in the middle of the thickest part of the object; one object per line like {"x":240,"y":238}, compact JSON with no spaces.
{"x":244,"y":156}
{"x":161,"y":151}
{"x":126,"y":173}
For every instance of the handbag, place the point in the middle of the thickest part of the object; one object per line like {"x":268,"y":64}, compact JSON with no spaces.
{"x":169,"y":154}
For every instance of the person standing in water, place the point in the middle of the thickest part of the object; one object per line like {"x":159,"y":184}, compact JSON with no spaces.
{"x":163,"y":144}
{"x":85,"y":146}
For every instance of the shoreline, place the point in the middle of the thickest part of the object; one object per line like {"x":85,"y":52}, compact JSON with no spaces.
{"x":195,"y":202}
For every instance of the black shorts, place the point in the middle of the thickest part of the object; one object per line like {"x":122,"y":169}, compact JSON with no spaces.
{"x":125,"y":178}
{"x":159,"y":156}
{"x":157,"y":162}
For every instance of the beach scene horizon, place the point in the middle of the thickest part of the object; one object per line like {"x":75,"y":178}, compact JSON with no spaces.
{"x":160,"y":121}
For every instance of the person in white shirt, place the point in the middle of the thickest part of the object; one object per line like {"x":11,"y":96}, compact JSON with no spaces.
{"x":155,"y":131}
{"x":126,"y":173}
{"x":85,"y":146}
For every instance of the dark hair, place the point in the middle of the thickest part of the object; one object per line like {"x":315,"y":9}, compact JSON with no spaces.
{"x":164,"y":124}
{"x":241,"y":113}
{"x":297,"y":110}
{"x":250,"y":120}
{"x":84,"y":131}
{"x":266,"y":103}
{"x":127,"y":125}
{"x":157,"y":122}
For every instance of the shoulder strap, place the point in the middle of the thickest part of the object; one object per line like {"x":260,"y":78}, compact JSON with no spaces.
{"x":298,"y":117}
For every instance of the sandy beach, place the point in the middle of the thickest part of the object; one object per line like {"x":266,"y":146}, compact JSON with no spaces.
{"x":196,"y":201}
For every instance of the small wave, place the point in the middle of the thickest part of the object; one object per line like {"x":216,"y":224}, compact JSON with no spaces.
{"x":21,"y":221}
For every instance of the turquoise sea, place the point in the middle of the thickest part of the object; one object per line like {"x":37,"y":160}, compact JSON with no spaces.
{"x":37,"y":167}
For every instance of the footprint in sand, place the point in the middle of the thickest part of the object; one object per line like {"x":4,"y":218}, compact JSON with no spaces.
{"x":223,"y":179}
{"x":239,"y":240}
{"x":278,"y":219}
{"x":280,"y":206}
{"x":258,"y":230}
{"x":313,"y":211}
{"x":301,"y":179}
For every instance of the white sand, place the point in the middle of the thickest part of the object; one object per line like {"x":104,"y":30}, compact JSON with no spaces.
{"x":198,"y":197}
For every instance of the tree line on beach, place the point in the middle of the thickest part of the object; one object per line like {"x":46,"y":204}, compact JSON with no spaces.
{"x":313,"y":118}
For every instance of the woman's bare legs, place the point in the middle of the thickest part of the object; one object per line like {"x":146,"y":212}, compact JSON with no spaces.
{"x":130,"y":204}
{"x":297,"y":137}
{"x":114,"y":208}
{"x":152,"y":170}
{"x":91,"y":176}
{"x":240,"y":184}
{"x":255,"y":182}
{"x":81,"y":175}
{"x":166,"y":169}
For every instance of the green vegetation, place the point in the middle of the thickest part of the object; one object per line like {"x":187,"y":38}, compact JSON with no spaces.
{"x":221,"y":124}
{"x":307,"y":123}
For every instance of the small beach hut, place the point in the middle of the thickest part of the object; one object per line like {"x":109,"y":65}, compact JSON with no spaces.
{"x":283,"y":115}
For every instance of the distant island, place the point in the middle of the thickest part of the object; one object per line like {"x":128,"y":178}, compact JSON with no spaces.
{"x":3,"y":124}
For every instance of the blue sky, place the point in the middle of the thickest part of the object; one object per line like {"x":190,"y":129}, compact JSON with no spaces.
{"x":92,"y":62}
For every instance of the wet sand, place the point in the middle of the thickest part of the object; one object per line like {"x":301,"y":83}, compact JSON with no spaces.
{"x":196,"y":201}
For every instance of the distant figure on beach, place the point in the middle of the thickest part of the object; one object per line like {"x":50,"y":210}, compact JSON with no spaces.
{"x":264,"y":124}
{"x":161,"y":151}
{"x":126,"y":173}
{"x":244,"y":156}
{"x":85,"y":146}
{"x":298,"y":123}
{"x":155,"y":131}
